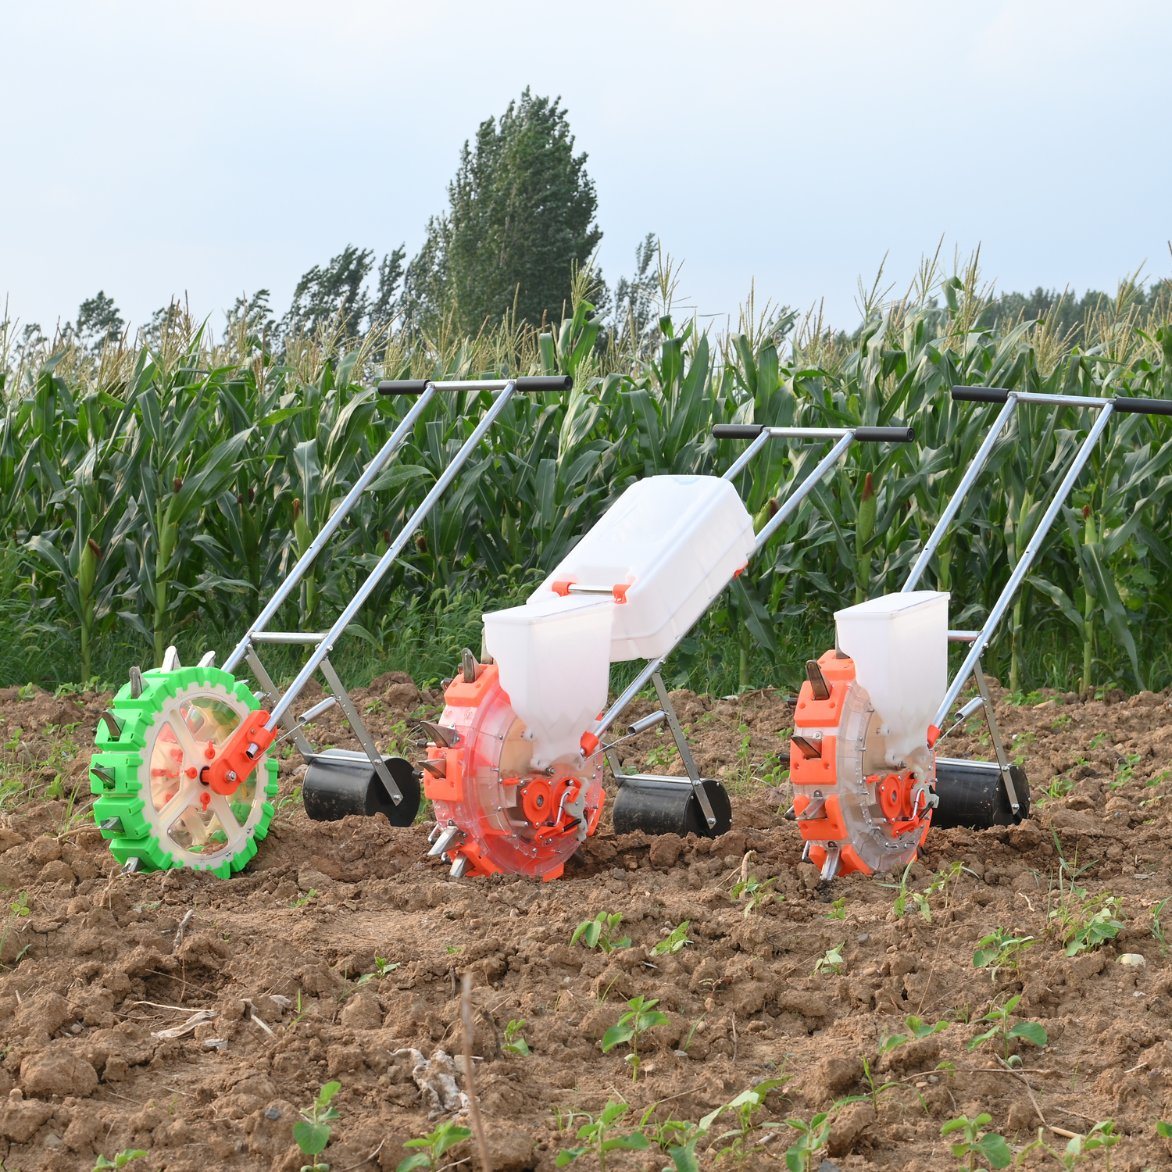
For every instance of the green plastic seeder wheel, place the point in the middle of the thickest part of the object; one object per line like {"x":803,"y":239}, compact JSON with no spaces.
{"x":151,"y":805}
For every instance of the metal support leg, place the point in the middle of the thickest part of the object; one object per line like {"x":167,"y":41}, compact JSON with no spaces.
{"x":1003,"y":762}
{"x":1023,"y":566}
{"x":685,"y":750}
{"x":361,"y":731}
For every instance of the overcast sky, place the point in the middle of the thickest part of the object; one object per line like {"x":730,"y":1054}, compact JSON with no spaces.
{"x":212,"y":148}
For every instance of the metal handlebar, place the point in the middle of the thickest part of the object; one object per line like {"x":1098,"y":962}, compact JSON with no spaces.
{"x":416,"y":386}
{"x":1125,"y":403}
{"x":898,"y":433}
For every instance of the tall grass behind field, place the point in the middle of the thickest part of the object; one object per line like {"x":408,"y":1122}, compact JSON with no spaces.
{"x":150,"y":497}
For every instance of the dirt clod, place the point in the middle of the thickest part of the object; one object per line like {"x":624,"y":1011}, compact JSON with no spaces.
{"x":56,"y":1071}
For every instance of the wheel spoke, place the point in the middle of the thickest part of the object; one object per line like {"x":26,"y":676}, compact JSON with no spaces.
{"x":193,"y":751}
{"x":223,"y":810}
{"x":172,"y":809}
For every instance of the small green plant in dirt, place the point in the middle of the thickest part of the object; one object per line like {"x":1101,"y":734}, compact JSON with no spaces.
{"x":601,"y":932}
{"x":831,"y":961}
{"x":641,"y":1016}
{"x":311,"y":1133}
{"x":1058,"y":788}
{"x":431,"y":1149}
{"x":660,"y":759}
{"x":289,"y":801}
{"x":1084,"y":922}
{"x":813,"y":1134}
{"x":903,"y":893}
{"x":875,"y":1088}
{"x":837,"y":909}
{"x":677,"y":1137}
{"x":306,"y":899}
{"x":1101,"y":1138}
{"x":921,"y":901}
{"x":675,"y":941}
{"x":917,"y":1028}
{"x":514,"y":1042}
{"x":1000,"y":951}
{"x":600,"y":1139}
{"x":973,"y":1142}
{"x":1005,"y":1034}
{"x":754,"y":892}
{"x":737,"y":1140}
{"x":19,"y":906}
{"x":124,"y":1157}
{"x":739,"y":774}
{"x":1158,"y":928}
{"x":1125,"y":771}
{"x":382,"y":967}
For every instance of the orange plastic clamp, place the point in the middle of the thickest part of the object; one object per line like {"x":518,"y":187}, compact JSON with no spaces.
{"x":234,"y":758}
{"x":461,"y":694}
{"x":449,"y":787}
{"x":805,"y":770}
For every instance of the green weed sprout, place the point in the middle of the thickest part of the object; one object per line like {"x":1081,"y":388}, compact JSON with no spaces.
{"x":640,"y":1017}
{"x":600,"y":1141}
{"x":433,"y":1147}
{"x":974,"y":1143}
{"x":599,"y":932}
{"x":312,"y":1132}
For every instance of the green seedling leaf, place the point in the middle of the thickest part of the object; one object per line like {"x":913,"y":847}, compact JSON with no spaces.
{"x":994,"y":1148}
{"x":326,"y":1094}
{"x":684,"y":1158}
{"x":311,"y":1138}
{"x":1030,"y":1031}
{"x":616,"y":1036}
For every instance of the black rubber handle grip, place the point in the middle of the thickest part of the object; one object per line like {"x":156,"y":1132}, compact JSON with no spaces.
{"x":402,"y":386}
{"x":545,"y":382}
{"x":885,"y":435}
{"x":979,"y":394}
{"x":1142,"y":406}
{"x":540,"y":382}
{"x":737,"y":430}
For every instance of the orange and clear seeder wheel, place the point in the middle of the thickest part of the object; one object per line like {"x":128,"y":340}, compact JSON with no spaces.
{"x":495,"y":810}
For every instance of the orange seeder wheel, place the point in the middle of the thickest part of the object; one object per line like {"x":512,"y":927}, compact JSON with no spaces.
{"x":855,"y":811}
{"x":510,"y":818}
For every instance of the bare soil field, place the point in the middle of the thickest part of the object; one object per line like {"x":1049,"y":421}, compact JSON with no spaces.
{"x":340,"y":954}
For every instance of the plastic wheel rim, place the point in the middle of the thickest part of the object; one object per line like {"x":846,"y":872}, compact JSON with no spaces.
{"x":512,"y":819}
{"x":855,"y":812}
{"x":147,"y":777}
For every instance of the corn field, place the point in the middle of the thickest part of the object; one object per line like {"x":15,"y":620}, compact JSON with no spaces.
{"x":156,"y":496}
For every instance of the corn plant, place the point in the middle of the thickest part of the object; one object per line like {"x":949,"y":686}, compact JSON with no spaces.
{"x":149,"y":495}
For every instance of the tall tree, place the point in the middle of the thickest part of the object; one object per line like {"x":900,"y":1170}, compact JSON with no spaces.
{"x":98,"y":322}
{"x":390,"y":276}
{"x":520,"y":218}
{"x":332,"y":292}
{"x":250,"y":323}
{"x":634,"y":297}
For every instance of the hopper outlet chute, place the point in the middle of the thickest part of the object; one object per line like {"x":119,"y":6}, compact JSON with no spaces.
{"x":553,"y":656}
